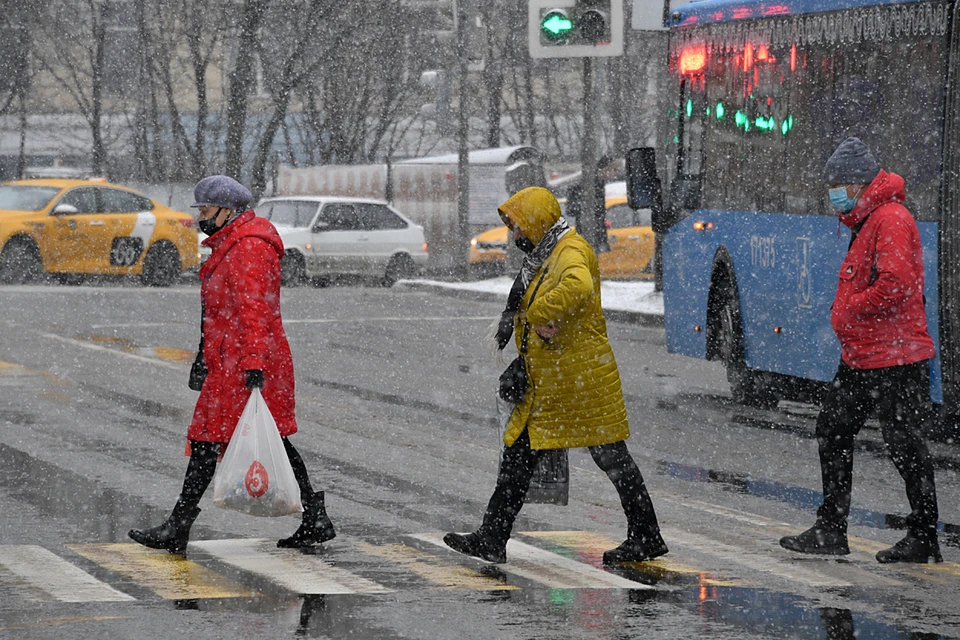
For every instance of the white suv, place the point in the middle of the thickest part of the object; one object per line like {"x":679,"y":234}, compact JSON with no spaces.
{"x":323,"y":236}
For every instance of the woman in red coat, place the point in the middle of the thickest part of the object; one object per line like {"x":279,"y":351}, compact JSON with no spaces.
{"x":242,"y":346}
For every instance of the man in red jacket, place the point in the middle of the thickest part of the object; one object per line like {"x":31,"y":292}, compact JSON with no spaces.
{"x":879,"y":317}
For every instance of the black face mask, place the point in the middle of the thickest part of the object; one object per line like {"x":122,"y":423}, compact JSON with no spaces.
{"x":524,"y":244}
{"x":209,"y":226}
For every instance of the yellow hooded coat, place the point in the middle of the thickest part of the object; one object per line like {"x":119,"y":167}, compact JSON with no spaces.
{"x":575,"y":398}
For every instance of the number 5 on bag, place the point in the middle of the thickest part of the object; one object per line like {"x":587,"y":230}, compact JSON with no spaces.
{"x":255,"y":476}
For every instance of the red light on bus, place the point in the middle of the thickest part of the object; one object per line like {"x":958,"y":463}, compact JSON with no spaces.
{"x":701,"y":226}
{"x":793,"y":57}
{"x":777,"y":330}
{"x":742,"y":12}
{"x":775,"y":10}
{"x":697,"y":328}
{"x":763,"y":53}
{"x":747,"y":57}
{"x":693,"y":59}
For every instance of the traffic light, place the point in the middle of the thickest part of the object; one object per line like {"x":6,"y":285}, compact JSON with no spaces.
{"x":575,"y":28}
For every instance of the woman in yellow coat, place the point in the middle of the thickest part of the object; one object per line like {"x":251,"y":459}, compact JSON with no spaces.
{"x":574,"y":397}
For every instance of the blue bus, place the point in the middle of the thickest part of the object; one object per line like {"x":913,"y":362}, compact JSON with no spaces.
{"x":761,"y":93}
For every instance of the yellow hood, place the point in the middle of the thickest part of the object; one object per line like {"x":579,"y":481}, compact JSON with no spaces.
{"x":534,"y":210}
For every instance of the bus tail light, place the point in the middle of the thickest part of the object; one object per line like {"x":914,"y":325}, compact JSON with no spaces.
{"x":777,"y":330}
{"x":701,"y":226}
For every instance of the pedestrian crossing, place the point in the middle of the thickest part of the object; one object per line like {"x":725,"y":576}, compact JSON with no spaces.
{"x":566,"y":560}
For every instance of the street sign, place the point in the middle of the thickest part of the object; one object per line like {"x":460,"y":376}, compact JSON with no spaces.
{"x":575,"y":28}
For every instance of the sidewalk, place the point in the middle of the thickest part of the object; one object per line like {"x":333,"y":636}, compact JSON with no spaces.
{"x":632,"y":302}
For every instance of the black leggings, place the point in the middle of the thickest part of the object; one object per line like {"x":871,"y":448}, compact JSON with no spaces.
{"x":518,"y":464}
{"x":203,"y":464}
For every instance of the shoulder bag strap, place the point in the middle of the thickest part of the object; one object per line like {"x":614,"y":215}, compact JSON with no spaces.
{"x":526,"y":325}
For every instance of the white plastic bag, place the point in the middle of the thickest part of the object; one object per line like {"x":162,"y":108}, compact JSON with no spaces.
{"x":255,"y":476}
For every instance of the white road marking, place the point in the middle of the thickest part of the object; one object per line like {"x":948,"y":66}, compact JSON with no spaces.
{"x":392,"y":319}
{"x":549,"y":569}
{"x":132,"y":356}
{"x":139,"y":325}
{"x":735,"y":514}
{"x":47,"y":572}
{"x":760,"y":562}
{"x":300,"y":573}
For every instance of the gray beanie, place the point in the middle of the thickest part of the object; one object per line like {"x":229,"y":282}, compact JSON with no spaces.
{"x":221,"y":191}
{"x":851,"y":163}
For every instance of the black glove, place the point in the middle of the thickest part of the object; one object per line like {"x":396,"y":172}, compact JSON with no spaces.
{"x":254,"y":379}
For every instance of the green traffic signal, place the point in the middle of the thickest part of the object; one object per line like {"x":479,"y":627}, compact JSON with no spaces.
{"x":555,"y":25}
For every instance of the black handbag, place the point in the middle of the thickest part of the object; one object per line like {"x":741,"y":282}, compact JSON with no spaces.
{"x":198,"y":370}
{"x":514,"y":382}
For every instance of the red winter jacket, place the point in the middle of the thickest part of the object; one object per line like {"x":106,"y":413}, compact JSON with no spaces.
{"x":242,"y":329}
{"x":880,"y":320}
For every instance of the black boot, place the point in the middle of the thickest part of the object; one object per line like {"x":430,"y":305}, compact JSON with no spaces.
{"x":637,"y":548}
{"x":820,"y":539}
{"x":478,"y":545}
{"x":173,"y":534}
{"x":915,"y":547}
{"x":314,"y":528}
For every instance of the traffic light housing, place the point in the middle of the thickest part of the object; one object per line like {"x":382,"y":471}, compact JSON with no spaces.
{"x":575,"y":28}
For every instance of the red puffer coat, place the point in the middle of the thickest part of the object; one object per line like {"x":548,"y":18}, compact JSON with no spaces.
{"x":242,"y":329}
{"x":878,"y":312}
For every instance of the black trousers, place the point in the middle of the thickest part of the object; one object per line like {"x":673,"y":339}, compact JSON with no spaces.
{"x":518,"y":464}
{"x":901,"y":397}
{"x":203,"y":464}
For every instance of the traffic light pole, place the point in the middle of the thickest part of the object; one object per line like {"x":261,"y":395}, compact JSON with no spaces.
{"x":590,"y":225}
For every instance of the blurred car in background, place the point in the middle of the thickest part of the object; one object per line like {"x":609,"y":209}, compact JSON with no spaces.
{"x":326,"y":236}
{"x":629,"y":235}
{"x":71,"y":228}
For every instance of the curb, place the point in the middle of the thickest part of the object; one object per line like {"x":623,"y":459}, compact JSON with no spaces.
{"x":612,"y":315}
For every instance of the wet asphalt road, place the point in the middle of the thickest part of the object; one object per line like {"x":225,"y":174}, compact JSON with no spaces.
{"x":396,"y":414}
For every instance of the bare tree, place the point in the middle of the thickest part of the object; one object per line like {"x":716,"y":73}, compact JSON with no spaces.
{"x":74,"y":36}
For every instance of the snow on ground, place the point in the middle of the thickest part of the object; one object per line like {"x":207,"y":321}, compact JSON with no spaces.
{"x":637,"y":297}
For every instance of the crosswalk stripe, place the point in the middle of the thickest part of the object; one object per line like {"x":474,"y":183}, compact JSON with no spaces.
{"x":761,"y":562}
{"x":48,"y":573}
{"x":548,"y":568}
{"x":297,"y":572}
{"x":592,"y":545}
{"x":170,"y":576}
{"x":432,"y":568}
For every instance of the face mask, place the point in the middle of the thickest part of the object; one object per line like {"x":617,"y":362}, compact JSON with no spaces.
{"x":524,"y":244}
{"x":841,"y":201}
{"x":209,"y":226}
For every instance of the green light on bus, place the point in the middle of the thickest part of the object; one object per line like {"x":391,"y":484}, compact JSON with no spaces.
{"x":720,"y":111}
{"x":689,"y":108}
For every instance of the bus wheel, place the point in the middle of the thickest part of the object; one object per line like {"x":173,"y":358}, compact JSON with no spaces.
{"x":747,"y":386}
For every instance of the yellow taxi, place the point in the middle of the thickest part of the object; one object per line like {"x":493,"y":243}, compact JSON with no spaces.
{"x":629,"y":235}
{"x":70,"y":227}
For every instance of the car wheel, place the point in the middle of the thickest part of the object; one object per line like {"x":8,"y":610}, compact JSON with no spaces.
{"x":161,"y":266}
{"x":293,"y":271}
{"x":400,"y":266}
{"x":747,"y":386}
{"x":20,"y":262}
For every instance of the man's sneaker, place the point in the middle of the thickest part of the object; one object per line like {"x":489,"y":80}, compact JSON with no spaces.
{"x":478,"y":546}
{"x":819,"y":540}
{"x":635,"y":551}
{"x":912,"y":548}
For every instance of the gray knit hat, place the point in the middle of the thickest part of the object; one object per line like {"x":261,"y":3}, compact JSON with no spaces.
{"x":851,"y":163}
{"x":221,"y":191}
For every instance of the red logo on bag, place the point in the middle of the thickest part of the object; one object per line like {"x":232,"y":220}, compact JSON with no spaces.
{"x":257,"y":480}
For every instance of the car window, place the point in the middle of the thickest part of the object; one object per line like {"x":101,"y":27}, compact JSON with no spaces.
{"x":18,"y":198}
{"x":375,"y":217}
{"x":117,"y":201}
{"x":620,"y":216}
{"x":339,"y":216}
{"x":84,"y":199}
{"x":644,"y":218}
